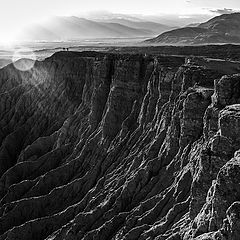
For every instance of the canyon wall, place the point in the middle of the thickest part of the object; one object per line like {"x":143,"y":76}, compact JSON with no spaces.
{"x":120,"y":146}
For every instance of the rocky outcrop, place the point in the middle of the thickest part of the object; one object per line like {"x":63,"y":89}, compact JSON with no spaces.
{"x":120,"y":146}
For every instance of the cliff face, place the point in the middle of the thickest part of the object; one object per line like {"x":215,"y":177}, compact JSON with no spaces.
{"x":104,"y":146}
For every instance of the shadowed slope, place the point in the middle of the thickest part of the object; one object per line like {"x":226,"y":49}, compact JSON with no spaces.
{"x":108,"y":146}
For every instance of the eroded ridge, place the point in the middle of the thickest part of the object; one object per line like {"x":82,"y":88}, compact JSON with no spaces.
{"x":111,"y":146}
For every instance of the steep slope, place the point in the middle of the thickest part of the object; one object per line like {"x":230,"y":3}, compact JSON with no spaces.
{"x":73,"y":28}
{"x":227,"y":23}
{"x":220,"y":29}
{"x":179,"y":36}
{"x":107,"y":146}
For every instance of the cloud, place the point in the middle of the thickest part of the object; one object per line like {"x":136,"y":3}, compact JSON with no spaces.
{"x":223,"y":11}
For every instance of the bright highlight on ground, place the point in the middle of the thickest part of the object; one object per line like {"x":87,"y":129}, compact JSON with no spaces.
{"x":24,"y":59}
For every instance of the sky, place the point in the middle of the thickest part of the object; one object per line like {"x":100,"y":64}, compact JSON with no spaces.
{"x":14,"y":14}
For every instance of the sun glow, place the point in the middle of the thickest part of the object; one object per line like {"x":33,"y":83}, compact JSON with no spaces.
{"x":24,"y":59}
{"x":17,"y":14}
{"x":9,"y":32}
{"x":7,"y":41}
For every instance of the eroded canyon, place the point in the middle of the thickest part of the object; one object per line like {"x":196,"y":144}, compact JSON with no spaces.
{"x":120,"y":146}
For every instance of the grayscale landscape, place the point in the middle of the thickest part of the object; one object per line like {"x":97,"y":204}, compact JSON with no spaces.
{"x":120,"y":120}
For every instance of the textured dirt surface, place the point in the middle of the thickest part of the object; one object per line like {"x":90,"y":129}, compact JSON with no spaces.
{"x":120,"y":146}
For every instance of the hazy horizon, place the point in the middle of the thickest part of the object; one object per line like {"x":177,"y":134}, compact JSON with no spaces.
{"x":15,"y":15}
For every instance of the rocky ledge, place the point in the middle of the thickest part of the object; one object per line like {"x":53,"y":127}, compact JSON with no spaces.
{"x":111,"y":146}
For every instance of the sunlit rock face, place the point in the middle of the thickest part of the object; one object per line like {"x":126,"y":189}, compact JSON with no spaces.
{"x":119,"y":146}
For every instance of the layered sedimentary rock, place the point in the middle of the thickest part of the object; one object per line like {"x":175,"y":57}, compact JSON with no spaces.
{"x":107,"y":146}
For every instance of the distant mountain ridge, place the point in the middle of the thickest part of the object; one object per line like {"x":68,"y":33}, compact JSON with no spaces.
{"x":73,"y":28}
{"x":151,"y":26}
{"x":221,"y":29}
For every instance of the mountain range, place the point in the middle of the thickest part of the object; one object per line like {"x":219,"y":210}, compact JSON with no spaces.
{"x":221,"y":29}
{"x":74,"y":28}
